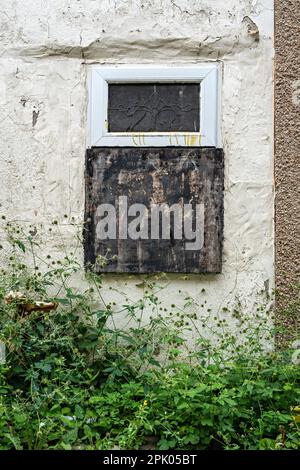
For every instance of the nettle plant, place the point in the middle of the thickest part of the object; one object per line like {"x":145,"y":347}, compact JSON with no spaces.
{"x":170,"y":377}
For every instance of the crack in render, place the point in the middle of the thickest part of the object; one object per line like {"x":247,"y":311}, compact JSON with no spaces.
{"x":181,"y":10}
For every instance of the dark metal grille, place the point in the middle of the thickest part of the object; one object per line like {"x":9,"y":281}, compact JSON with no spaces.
{"x":154,"y":107}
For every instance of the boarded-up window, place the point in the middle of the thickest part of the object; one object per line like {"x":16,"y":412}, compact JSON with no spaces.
{"x":154,"y":209}
{"x":154,"y":169}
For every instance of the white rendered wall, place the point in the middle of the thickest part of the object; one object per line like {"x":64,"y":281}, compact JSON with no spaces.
{"x":45,"y":50}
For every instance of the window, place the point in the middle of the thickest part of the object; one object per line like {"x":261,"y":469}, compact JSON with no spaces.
{"x":154,"y":106}
{"x":154,"y":170}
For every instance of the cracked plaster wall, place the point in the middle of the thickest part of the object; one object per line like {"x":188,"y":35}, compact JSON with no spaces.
{"x":45,"y":50}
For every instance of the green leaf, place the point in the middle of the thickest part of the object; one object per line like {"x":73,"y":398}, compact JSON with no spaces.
{"x":44,"y":366}
{"x":66,"y":446}
{"x":15,"y":441}
{"x":61,"y":300}
{"x":20,"y":245}
{"x":165,"y":444}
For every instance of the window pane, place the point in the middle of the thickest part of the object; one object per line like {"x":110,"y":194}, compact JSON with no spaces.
{"x":151,"y":107}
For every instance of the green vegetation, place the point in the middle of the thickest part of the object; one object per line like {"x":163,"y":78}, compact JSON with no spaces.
{"x":74,"y":379}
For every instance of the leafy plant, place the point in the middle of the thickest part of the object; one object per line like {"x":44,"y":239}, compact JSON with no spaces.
{"x":74,"y":379}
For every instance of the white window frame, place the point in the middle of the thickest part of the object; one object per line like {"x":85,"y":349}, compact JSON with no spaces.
{"x":206,"y":74}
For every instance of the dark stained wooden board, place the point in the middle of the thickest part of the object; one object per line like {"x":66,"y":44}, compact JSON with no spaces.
{"x":169,"y":174}
{"x":154,"y":107}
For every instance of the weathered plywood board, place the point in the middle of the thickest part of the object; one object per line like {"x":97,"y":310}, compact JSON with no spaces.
{"x":156,"y":176}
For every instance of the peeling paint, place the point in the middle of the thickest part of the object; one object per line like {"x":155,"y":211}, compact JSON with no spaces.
{"x":43,"y":57}
{"x":186,"y":27}
{"x":251,"y":28}
{"x":35,"y":115}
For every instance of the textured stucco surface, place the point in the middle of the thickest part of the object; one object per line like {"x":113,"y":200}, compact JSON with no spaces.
{"x":45,"y":50}
{"x":287,"y":152}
